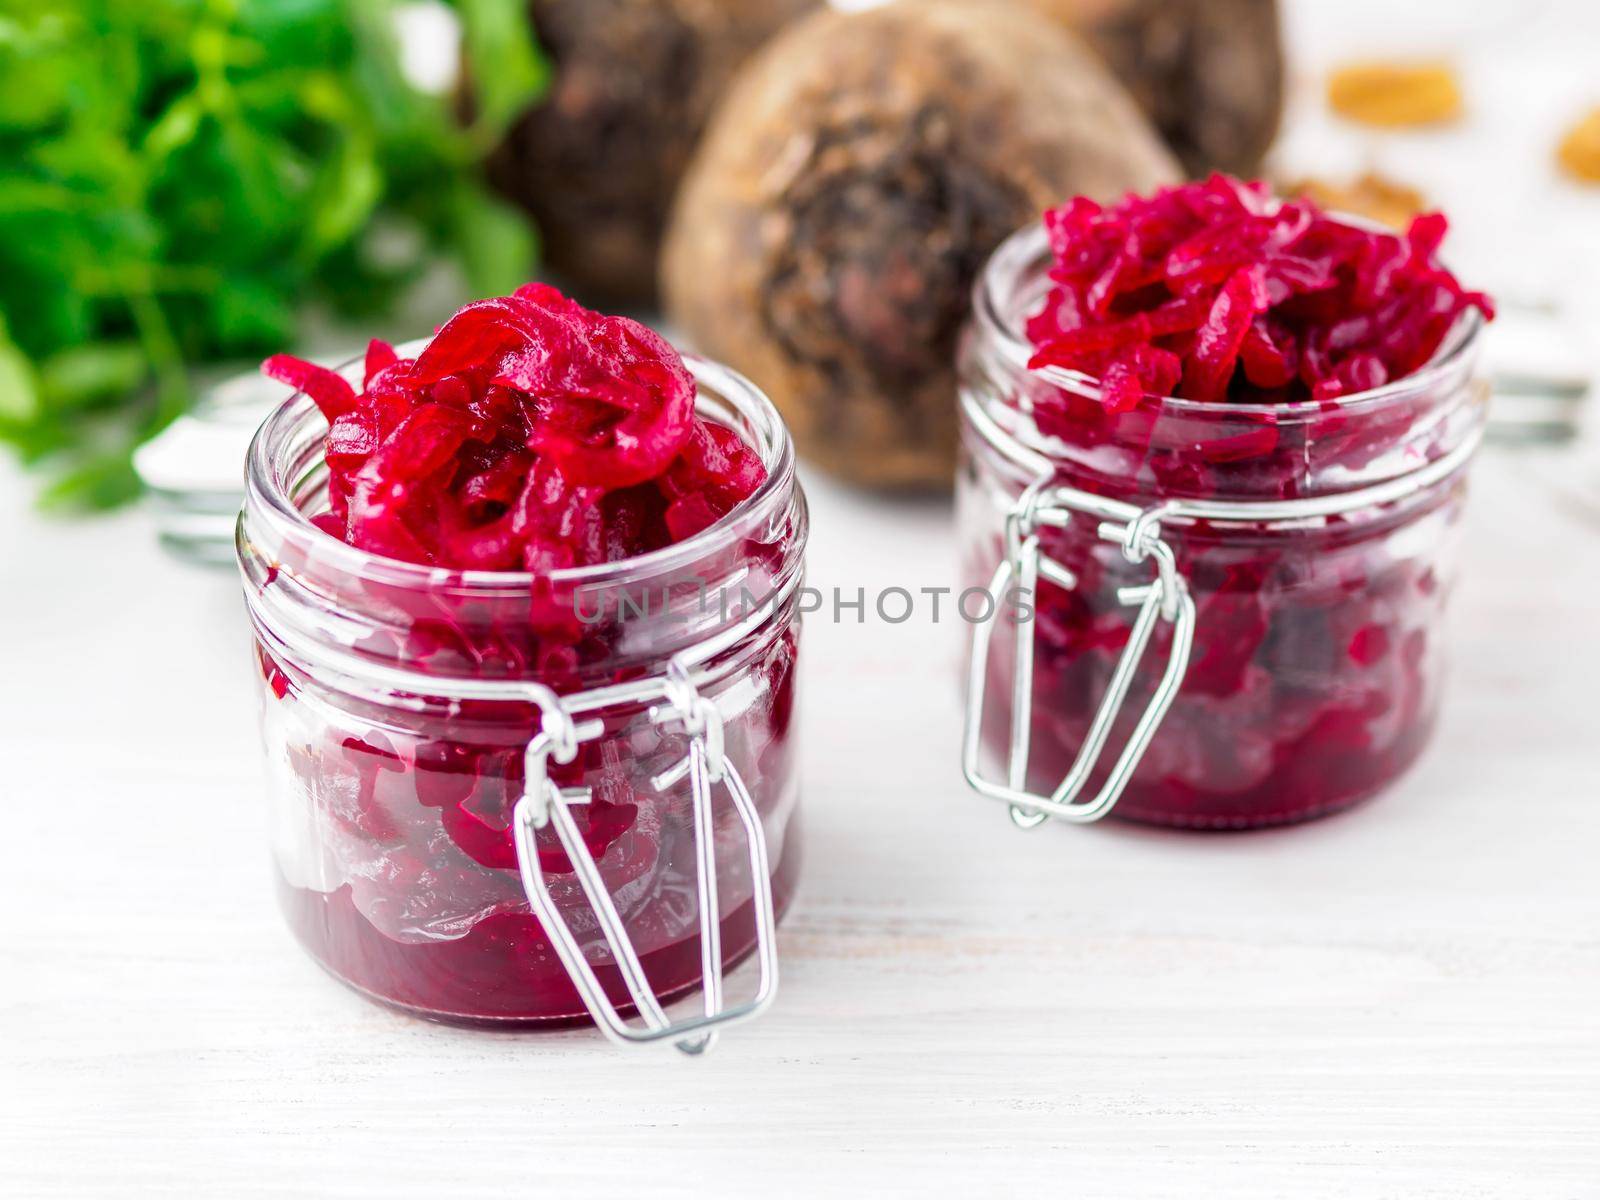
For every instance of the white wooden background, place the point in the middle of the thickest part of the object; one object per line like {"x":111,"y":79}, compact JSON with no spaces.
{"x":1401,"y":1001}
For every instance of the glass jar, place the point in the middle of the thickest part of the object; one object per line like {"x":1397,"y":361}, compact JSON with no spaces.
{"x":1214,"y":616}
{"x":494,"y":796}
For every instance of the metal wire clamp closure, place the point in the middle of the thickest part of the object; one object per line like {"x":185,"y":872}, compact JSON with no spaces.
{"x":1165,"y":598}
{"x":543,"y":805}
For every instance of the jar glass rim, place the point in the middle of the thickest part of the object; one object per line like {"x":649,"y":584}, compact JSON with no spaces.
{"x":1027,"y":249}
{"x":268,"y":486}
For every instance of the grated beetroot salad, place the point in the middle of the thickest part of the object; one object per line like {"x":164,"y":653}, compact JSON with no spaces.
{"x":1318,"y":652}
{"x":1214,"y":292}
{"x":530,"y":435}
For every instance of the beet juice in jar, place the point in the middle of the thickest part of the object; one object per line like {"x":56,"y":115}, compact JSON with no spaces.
{"x":524,"y":600}
{"x":1216,"y":447}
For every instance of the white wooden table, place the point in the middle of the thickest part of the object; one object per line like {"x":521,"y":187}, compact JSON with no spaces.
{"x":1402,"y":1001}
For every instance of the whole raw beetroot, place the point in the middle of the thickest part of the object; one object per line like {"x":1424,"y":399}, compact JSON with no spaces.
{"x":859,"y":172}
{"x":598,"y":160}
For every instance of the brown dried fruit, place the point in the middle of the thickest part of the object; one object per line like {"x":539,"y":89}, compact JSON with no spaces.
{"x":1370,"y":195}
{"x":858,"y":174}
{"x":1209,"y":73}
{"x":598,"y":161}
{"x":1580,"y":149}
{"x":1395,"y":94}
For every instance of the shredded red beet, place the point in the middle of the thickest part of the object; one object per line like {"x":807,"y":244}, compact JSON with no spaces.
{"x":1222,"y":293}
{"x":530,"y":434}
{"x":1314,"y":677}
{"x":533,"y":435}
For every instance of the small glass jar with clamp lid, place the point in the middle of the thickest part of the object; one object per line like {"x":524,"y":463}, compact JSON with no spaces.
{"x":1214,"y":616}
{"x":513,"y":799}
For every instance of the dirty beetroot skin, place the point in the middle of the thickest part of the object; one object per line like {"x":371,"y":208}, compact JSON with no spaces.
{"x":1312,"y":684}
{"x":859,"y":172}
{"x":1208,"y":73}
{"x":598,"y":160}
{"x":529,"y":435}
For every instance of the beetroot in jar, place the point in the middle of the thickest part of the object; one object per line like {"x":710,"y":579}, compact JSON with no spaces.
{"x":525,"y":611}
{"x":1215,"y":448}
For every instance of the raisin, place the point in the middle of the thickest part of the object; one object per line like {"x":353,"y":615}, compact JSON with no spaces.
{"x":1395,"y":94}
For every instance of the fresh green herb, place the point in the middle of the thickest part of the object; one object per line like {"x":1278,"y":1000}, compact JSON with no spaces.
{"x":177,"y":177}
